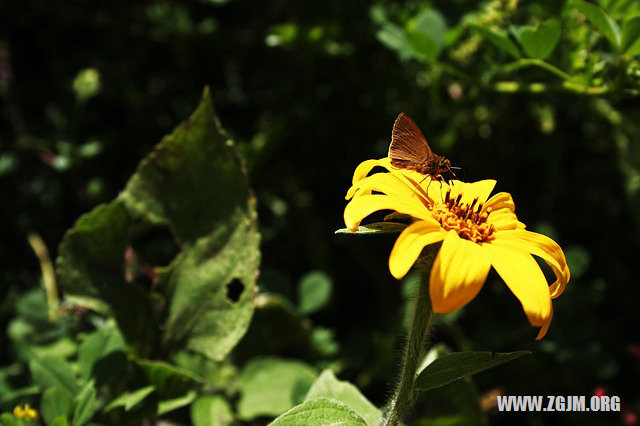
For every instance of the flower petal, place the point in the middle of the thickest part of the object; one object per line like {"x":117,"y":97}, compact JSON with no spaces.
{"x":363,"y":206}
{"x":524,"y":278}
{"x":501,"y":200}
{"x":470,"y":191}
{"x":458,"y":273}
{"x":365,"y":167}
{"x":388,"y":183}
{"x":543,"y":247}
{"x":410,"y":243}
{"x":504,"y":219}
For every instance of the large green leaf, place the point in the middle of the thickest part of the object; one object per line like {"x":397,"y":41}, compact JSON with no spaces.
{"x":193,"y":185}
{"x":322,"y":411}
{"x":270,"y":386}
{"x":55,"y":403}
{"x":91,"y":265}
{"x":328,"y":386}
{"x":191,"y":182}
{"x":454,"y":366}
{"x":499,"y":38}
{"x":54,"y":372}
{"x":211,"y":410}
{"x":631,"y":36}
{"x":601,"y":20}
{"x":539,"y":42}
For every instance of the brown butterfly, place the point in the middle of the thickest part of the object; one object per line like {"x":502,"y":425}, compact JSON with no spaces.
{"x":409,"y":150}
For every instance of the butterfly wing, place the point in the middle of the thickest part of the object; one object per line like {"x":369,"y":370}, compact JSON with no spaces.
{"x":408,"y":144}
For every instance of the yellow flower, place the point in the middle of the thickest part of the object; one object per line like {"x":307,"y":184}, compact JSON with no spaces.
{"x":26,"y":413}
{"x":477,"y":233}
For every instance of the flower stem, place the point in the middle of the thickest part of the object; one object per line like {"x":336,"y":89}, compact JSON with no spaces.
{"x":414,"y":351}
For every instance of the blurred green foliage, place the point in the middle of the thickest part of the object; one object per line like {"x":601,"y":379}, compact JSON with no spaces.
{"x":541,"y":95}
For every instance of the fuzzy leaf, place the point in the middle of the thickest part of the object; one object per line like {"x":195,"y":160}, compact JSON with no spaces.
{"x":375,"y":228}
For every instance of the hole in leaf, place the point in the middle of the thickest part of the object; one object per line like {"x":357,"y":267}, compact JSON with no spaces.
{"x":234,"y":290}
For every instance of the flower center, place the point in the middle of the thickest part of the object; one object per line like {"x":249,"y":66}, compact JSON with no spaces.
{"x":466,"y":219}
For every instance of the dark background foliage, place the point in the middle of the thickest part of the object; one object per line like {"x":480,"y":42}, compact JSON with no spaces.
{"x":307,"y":90}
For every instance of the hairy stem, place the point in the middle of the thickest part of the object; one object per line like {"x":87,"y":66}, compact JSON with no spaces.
{"x":414,"y":350}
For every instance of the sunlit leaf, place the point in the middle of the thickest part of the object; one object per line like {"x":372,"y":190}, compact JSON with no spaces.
{"x":211,"y":410}
{"x":129,"y":400}
{"x":328,"y":386}
{"x":322,"y":411}
{"x":54,"y":372}
{"x":55,"y":403}
{"x":270,"y":386}
{"x":600,"y":20}
{"x":84,"y":405}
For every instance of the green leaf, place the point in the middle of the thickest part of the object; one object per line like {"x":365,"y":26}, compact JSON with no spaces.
{"x":327,"y":385}
{"x":101,"y":354}
{"x":375,"y":228}
{"x":454,"y":366}
{"x":168,"y":405}
{"x":211,"y":410}
{"x":425,"y":34}
{"x":193,"y":183}
{"x":315,"y":291}
{"x":128,"y":400}
{"x":500,"y":38}
{"x":59,"y":421}
{"x":270,"y":386}
{"x":322,"y":411}
{"x":631,"y":36}
{"x":539,"y":42}
{"x":53,"y":372}
{"x":86,"y":84}
{"x":55,"y":403}
{"x":8,"y":419}
{"x":394,"y":37}
{"x":168,"y":379}
{"x":84,"y":405}
{"x":90,"y":264}
{"x":182,"y":183}
{"x":600,"y":20}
